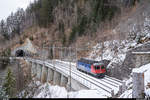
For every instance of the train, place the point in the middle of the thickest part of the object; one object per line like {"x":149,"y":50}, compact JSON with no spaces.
{"x":92,"y":67}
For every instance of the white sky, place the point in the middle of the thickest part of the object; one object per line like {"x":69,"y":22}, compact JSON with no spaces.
{"x":8,"y":6}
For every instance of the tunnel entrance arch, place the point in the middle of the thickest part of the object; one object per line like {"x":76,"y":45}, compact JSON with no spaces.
{"x":20,"y":53}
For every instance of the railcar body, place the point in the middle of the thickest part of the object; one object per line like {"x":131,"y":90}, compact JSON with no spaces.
{"x":95,"y":68}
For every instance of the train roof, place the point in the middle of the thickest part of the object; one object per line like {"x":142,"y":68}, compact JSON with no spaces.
{"x":88,"y":61}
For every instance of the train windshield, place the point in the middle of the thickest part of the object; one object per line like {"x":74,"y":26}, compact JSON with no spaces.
{"x":97,"y":67}
{"x":102,"y":67}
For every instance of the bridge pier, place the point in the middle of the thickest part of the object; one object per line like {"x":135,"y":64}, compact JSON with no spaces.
{"x":39,"y":71}
{"x":44,"y":74}
{"x":138,"y":84}
{"x":56,"y":78}
{"x":122,"y":88}
{"x":50,"y":75}
{"x":33,"y":69}
{"x":63,"y":81}
{"x":75,"y":85}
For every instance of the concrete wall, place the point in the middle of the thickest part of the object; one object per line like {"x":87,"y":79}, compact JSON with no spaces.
{"x":142,"y":59}
{"x":50,"y":75}
{"x":138,"y":85}
{"x":39,"y":71}
{"x":64,"y":81}
{"x":33,"y":69}
{"x":131,"y":59}
{"x":57,"y":77}
{"x":75,"y":85}
{"x":44,"y":74}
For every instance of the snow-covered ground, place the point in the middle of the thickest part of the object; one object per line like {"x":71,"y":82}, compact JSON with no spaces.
{"x":38,"y":90}
{"x":143,"y":69}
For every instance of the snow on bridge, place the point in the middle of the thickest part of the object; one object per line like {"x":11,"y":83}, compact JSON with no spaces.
{"x":109,"y":86}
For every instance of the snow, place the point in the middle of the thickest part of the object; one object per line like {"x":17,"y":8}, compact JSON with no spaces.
{"x":38,"y":83}
{"x":65,"y":62}
{"x":136,"y":70}
{"x":85,"y":79}
{"x":147,"y":92}
{"x":48,"y":91}
{"x":114,"y":50}
{"x":143,"y":69}
{"x":127,"y":94}
{"x":146,"y":70}
{"x":129,"y":82}
{"x":86,"y":94}
{"x":141,"y":52}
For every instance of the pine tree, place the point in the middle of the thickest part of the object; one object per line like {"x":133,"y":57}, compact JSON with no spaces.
{"x":9,"y":83}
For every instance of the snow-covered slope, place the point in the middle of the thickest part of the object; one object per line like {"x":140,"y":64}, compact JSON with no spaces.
{"x":116,"y":50}
{"x":37,"y":90}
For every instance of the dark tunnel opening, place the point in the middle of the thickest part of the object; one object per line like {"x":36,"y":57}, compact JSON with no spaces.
{"x":20,"y":53}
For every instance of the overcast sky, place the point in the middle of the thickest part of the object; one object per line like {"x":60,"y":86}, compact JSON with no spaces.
{"x":8,"y":6}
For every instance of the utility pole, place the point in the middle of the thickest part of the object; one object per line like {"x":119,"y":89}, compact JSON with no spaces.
{"x":70,"y":66}
{"x":61,"y":49}
{"x":53,"y":51}
{"x":102,"y":50}
{"x":76,"y":54}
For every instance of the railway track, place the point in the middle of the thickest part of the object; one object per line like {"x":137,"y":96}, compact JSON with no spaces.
{"x":109,"y":79}
{"x":93,"y":78}
{"x":101,"y":87}
{"x":106,"y":84}
{"x":82,"y":74}
{"x":111,"y":83}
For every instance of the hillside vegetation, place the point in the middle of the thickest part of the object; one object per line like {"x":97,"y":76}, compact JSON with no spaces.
{"x":64,"y":21}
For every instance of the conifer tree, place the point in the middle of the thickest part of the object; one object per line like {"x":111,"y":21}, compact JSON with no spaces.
{"x":9,"y":83}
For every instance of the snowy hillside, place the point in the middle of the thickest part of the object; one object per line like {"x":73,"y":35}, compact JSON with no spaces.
{"x":116,"y":50}
{"x":113,"y":50}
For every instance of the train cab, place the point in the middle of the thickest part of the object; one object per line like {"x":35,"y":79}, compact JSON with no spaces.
{"x":98,"y":69}
{"x":95,"y":68}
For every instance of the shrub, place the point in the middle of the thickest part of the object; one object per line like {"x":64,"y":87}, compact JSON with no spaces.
{"x":31,"y":38}
{"x":21,"y":41}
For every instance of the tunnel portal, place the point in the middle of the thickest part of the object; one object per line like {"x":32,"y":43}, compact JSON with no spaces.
{"x":20,"y":53}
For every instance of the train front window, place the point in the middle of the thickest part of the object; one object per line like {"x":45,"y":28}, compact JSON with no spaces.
{"x":102,"y":67}
{"x":97,"y":67}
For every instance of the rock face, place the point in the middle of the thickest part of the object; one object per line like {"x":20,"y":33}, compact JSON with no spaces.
{"x":27,"y":47}
{"x":131,"y":61}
